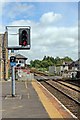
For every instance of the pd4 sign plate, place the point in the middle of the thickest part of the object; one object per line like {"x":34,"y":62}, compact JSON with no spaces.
{"x":13,"y":64}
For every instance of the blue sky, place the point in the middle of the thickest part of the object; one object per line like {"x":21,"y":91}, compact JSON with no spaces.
{"x":67,"y":9}
{"x":54,"y":27}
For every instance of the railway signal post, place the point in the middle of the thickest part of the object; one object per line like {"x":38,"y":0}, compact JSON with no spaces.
{"x":13,"y":63}
{"x":22,"y":42}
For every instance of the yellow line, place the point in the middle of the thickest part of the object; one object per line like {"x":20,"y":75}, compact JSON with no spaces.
{"x":52,"y":111}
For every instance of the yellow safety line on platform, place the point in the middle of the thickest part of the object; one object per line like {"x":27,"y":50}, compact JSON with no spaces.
{"x":51,"y":110}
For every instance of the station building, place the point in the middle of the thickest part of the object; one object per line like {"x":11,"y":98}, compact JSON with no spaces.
{"x":3,"y":57}
{"x":21,"y":60}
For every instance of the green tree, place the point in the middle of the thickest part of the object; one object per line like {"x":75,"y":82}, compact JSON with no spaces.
{"x":44,"y":58}
{"x":67,"y":59}
{"x":32,"y":63}
{"x":49,"y":61}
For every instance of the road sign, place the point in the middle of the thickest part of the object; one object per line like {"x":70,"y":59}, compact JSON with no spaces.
{"x":13,"y":64}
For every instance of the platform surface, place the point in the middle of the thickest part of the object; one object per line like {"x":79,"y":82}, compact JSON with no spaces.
{"x":26,"y":104}
{"x":32,"y":101}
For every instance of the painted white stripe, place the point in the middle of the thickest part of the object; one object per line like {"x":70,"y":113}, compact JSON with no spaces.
{"x":26,"y":84}
{"x":28,"y":95}
{"x":59,"y":102}
{"x":17,"y":107}
{"x":2,"y":110}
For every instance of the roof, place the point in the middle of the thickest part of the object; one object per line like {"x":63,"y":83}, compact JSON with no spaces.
{"x":19,"y":56}
{"x":75,"y":63}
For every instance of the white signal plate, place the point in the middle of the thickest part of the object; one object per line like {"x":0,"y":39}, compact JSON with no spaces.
{"x":12,"y":54}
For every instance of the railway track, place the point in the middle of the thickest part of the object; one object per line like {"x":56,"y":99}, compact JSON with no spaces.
{"x":69,"y":84}
{"x":73,"y":87}
{"x":76,"y":83}
{"x":69,"y":102}
{"x":70,"y":91}
{"x":66,"y":92}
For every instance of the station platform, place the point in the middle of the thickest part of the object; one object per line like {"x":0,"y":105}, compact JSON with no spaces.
{"x":32,"y":100}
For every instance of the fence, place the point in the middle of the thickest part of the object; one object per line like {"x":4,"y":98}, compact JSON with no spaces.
{"x":25,"y":76}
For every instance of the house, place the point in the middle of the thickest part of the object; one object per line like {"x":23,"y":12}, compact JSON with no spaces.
{"x":75,"y":65}
{"x":20,"y":60}
{"x":74,"y":68}
{"x":67,"y":69}
{"x":59,"y":69}
{"x":70,"y":69}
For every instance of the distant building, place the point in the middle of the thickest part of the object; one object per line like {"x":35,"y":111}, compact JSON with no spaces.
{"x":52,"y":69}
{"x":20,"y":60}
{"x":67,"y":69}
{"x":59,"y":69}
{"x":75,"y":65}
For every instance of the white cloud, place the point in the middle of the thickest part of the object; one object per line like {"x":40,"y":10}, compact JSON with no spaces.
{"x":50,"y":18}
{"x":2,"y":29}
{"x":50,"y":40}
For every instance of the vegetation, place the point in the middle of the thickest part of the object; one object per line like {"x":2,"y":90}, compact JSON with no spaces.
{"x":47,"y":61}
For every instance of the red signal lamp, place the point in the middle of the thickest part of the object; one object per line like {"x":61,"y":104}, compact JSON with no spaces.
{"x":24,"y":43}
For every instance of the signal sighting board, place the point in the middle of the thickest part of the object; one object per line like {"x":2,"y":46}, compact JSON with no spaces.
{"x":18,"y":37}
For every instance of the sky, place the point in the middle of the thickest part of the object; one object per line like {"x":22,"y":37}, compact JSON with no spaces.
{"x":54,"y":27}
